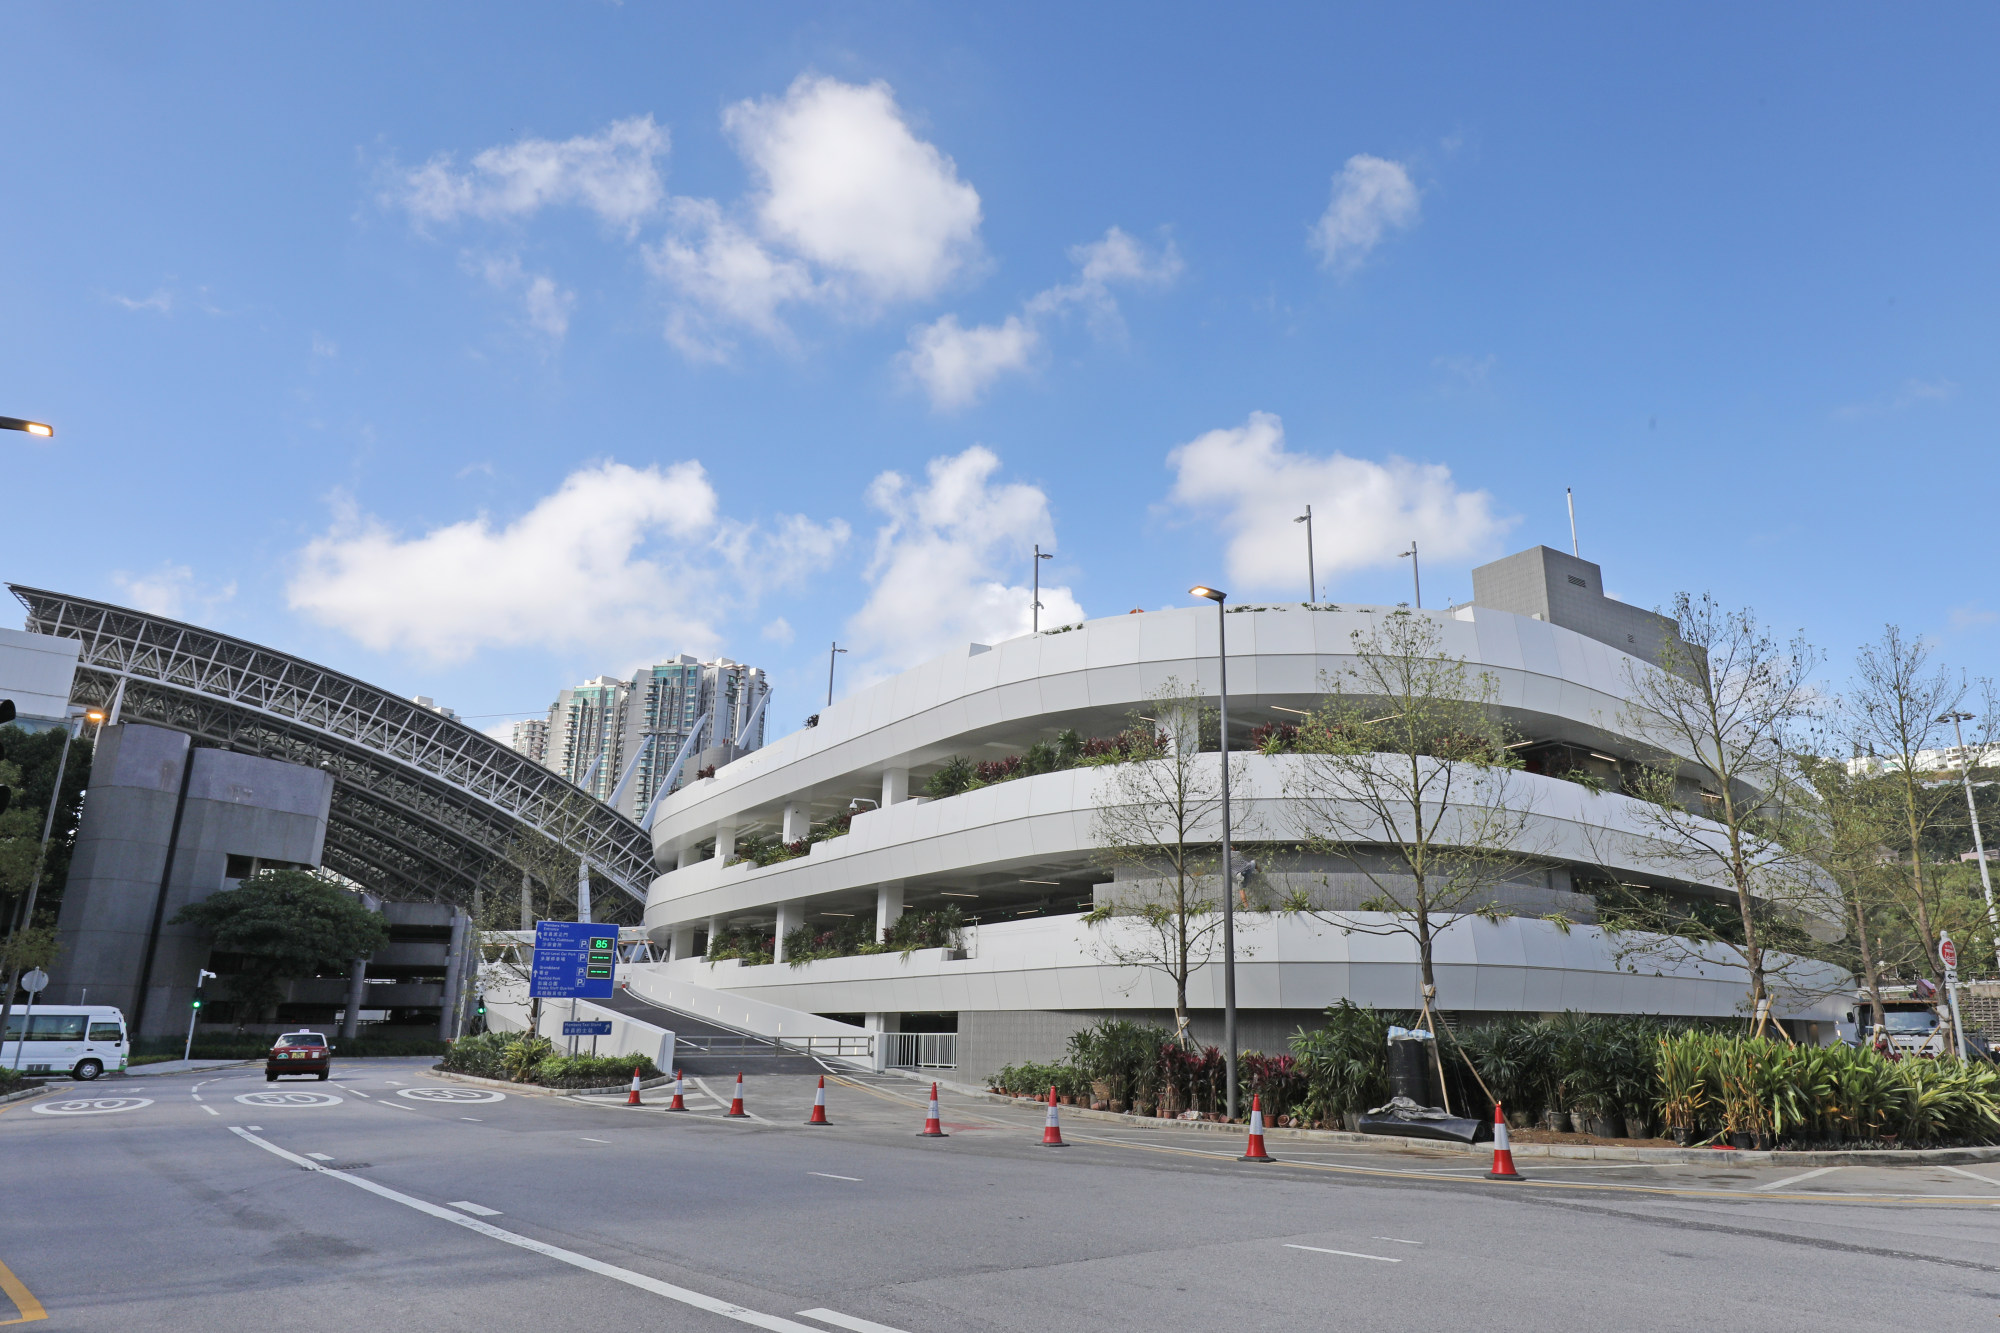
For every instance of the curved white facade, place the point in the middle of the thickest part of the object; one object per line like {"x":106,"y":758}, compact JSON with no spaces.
{"x":1021,"y":852}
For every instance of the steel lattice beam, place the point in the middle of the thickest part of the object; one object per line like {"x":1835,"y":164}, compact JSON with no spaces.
{"x":419,"y":798}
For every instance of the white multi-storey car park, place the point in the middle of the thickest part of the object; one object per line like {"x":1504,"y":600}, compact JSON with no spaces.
{"x":1021,"y":857}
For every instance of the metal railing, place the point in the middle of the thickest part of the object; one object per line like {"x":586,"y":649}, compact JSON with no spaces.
{"x":921,"y":1050}
{"x":854,"y":1048}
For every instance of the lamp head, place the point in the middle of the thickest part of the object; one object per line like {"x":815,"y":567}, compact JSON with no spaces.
{"x":1955,"y":717}
{"x":1213,"y":594}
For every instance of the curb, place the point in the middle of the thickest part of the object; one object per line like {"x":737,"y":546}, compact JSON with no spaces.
{"x":22,"y":1094}
{"x":537,"y":1089}
{"x":1564,"y":1151}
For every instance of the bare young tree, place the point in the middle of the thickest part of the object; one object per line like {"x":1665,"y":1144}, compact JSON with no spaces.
{"x":1159,"y":821}
{"x":1721,"y":801}
{"x":1849,"y":840}
{"x":1405,"y":775}
{"x":1897,"y":710}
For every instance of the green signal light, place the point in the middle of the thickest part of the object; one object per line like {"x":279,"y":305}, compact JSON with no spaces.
{"x":197,"y":1003}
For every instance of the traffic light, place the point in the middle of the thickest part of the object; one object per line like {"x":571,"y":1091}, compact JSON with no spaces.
{"x":196,"y":1003}
{"x":481,"y":1009}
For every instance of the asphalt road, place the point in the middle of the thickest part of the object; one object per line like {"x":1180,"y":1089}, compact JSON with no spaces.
{"x":398,"y":1206}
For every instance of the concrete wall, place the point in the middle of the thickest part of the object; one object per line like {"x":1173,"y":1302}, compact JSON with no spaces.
{"x":1557,"y":587}
{"x":987,"y":1041}
{"x":36,"y":672}
{"x":234,"y":805}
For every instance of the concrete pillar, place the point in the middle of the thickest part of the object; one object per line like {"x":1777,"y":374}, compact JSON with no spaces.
{"x":888,"y":907}
{"x":357,"y":977}
{"x":454,"y":979}
{"x":790,"y":917}
{"x":895,"y":785}
{"x":725,"y":843}
{"x":688,"y":855}
{"x":716,"y":925}
{"x":527,"y":902}
{"x":798,"y":821}
{"x":583,"y":890}
{"x":681,"y":942}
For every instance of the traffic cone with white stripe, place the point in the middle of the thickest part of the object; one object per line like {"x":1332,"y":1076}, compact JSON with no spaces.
{"x":1255,"y":1151}
{"x":1052,"y":1130}
{"x":819,"y":1105}
{"x":736,"y":1102}
{"x":933,"y":1125}
{"x":1503,"y":1152}
{"x":677,"y":1104}
{"x":632,"y":1098}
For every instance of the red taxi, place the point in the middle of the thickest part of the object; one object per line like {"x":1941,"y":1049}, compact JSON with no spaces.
{"x":299,"y":1053}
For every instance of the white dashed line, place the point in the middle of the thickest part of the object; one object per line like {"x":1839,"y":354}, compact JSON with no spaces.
{"x":683,"y":1295}
{"x":473,"y":1118}
{"x":211,"y":1110}
{"x":1791,"y":1180}
{"x":1345,"y":1254}
{"x":587,"y":1139}
{"x":1397,"y":1240}
{"x":476,"y":1210}
{"x":828,"y":1175}
{"x":1973,"y":1175}
{"x":320,"y":1156}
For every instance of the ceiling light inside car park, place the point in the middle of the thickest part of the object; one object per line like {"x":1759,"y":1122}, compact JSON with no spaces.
{"x":947,"y":893}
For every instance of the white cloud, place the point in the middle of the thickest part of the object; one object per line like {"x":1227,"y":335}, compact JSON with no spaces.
{"x":545,"y":305}
{"x":170,"y":590}
{"x":778,"y":631}
{"x":614,"y":174}
{"x":618,"y":560}
{"x":1370,"y":195}
{"x":727,"y":277}
{"x":955,"y":365}
{"x":945,"y":558}
{"x":1363,"y":512}
{"x":847,"y":186}
{"x":161,"y":301}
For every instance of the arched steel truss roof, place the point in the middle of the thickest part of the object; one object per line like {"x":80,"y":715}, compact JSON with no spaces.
{"x":420,"y":800}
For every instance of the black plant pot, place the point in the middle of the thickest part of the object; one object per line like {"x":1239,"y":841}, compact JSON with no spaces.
{"x":1742,"y":1142}
{"x":1681,"y":1136}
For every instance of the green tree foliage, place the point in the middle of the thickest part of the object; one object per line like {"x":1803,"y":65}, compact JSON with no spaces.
{"x":30,"y":769}
{"x":1406,"y":775}
{"x":285,"y":924}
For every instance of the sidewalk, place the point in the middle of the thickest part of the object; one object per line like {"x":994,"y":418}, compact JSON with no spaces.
{"x":179,"y":1067}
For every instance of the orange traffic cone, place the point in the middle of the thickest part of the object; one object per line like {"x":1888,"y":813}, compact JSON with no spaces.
{"x":1503,"y":1152}
{"x":819,"y":1105}
{"x":632,"y":1098}
{"x":736,"y":1102}
{"x":677,"y":1104}
{"x":933,"y":1126}
{"x":1052,"y":1131}
{"x":1255,"y":1151}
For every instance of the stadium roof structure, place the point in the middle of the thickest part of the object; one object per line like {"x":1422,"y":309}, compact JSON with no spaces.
{"x":423,"y":805}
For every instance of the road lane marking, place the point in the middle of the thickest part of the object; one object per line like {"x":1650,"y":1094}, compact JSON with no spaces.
{"x":1791,"y":1180}
{"x":727,"y":1309}
{"x":287,"y":1101}
{"x":828,"y":1175}
{"x":91,"y":1105}
{"x":473,"y":1118}
{"x":451,"y":1095}
{"x":1345,"y":1254}
{"x":465,"y":1205}
{"x":1397,"y":1239}
{"x":1973,"y":1175}
{"x":320,"y":1156}
{"x":211,"y":1110}
{"x":24,"y":1300}
{"x":839,"y":1320}
{"x":195,"y":1095}
{"x":587,"y":1139}
{"x":725,"y":1101}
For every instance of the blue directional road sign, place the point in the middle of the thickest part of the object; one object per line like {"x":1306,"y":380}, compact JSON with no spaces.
{"x":583,"y":1027}
{"x":573,"y":960}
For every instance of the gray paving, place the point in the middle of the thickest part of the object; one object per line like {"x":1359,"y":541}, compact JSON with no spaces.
{"x":532,"y":1212}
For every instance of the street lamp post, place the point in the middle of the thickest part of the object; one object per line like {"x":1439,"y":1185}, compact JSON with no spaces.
{"x":1312,"y":574}
{"x":831,"y":658}
{"x":201,"y":974}
{"x":32,"y":427}
{"x":1978,"y":842}
{"x":1035,"y":611}
{"x":1217,"y":596}
{"x":1416,"y":574}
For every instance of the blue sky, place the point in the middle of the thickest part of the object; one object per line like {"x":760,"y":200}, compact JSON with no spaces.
{"x":479,"y":349}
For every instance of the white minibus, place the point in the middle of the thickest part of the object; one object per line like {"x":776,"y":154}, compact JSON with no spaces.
{"x":81,"y":1040}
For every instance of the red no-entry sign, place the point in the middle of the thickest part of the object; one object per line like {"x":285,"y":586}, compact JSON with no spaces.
{"x":1949,"y":952}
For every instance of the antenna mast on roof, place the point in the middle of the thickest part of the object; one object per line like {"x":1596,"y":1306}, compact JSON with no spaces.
{"x":1570,"y":496}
